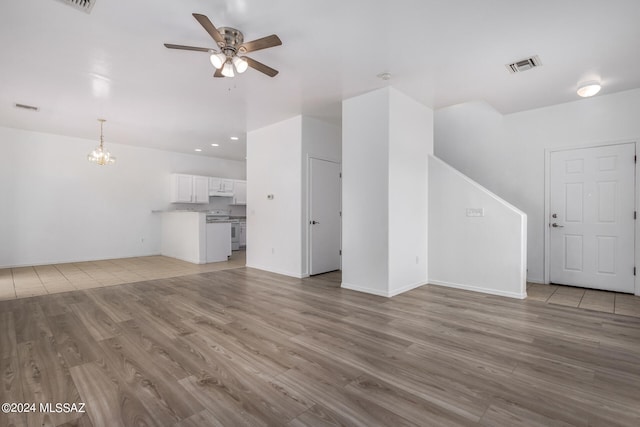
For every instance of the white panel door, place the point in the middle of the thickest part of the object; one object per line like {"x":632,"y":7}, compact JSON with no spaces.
{"x":592,"y":226}
{"x":324,"y":216}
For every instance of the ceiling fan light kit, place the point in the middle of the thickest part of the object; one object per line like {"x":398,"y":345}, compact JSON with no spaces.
{"x":240,"y":63}
{"x":227,"y":69}
{"x":231,"y":43}
{"x":218,"y":59}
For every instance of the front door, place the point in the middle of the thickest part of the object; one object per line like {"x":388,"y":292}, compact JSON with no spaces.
{"x":324,"y":216}
{"x":591,"y":208}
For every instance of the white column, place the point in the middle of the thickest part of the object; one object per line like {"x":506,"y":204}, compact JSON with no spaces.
{"x":387,"y":137}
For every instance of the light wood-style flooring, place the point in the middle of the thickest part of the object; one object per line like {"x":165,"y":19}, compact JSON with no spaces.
{"x":244,"y":347}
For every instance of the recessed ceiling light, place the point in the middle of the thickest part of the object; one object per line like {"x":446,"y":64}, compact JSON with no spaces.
{"x":590,"y":88}
{"x":198,"y":149}
{"x":234,"y":138}
{"x":215,"y":145}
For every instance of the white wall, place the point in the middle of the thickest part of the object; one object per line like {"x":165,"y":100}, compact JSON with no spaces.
{"x":482,"y":254}
{"x":278,"y":157}
{"x":387,"y":137}
{"x":320,"y":140}
{"x":410,"y":143}
{"x":506,"y":154}
{"x":365,"y":188}
{"x":274,"y":227}
{"x":56,"y":207}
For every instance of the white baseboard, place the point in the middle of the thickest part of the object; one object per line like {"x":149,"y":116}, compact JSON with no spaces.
{"x":52,"y":261}
{"x":372,"y":291}
{"x":406,"y":288}
{"x":378,"y":292}
{"x":478,"y":289}
{"x":277,"y":271}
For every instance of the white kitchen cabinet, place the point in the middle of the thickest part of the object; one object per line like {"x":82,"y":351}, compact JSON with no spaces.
{"x":240,"y":192}
{"x":189,"y":188}
{"x":187,"y":236}
{"x":201,"y":189}
{"x":220,"y":187}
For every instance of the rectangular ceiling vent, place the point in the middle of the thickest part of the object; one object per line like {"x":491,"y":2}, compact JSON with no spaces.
{"x":26,"y":107}
{"x":83,"y":5}
{"x":524,"y":64}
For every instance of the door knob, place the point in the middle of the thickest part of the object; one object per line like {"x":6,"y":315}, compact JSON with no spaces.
{"x":314,"y":222}
{"x":554,"y":225}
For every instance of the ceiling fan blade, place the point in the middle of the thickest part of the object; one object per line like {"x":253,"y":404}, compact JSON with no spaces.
{"x":262,"y":43}
{"x":179,"y":46}
{"x":261,"y":67}
{"x":218,"y":73}
{"x":211,"y":29}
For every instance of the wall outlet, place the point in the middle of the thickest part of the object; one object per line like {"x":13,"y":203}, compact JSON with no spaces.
{"x":475,"y":211}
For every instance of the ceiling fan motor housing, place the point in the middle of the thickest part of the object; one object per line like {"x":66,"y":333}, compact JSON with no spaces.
{"x":232,"y":40}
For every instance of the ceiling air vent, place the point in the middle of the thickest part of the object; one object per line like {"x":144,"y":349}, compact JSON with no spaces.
{"x":524,"y":64}
{"x":83,"y":5}
{"x":26,"y":107}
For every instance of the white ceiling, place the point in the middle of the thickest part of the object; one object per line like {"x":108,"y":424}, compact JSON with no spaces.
{"x":111,"y":63}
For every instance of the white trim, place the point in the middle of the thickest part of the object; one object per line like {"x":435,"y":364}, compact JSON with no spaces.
{"x":358,"y":288}
{"x":66,"y":261}
{"x":547,"y":195}
{"x":477,"y":289}
{"x":387,"y":294}
{"x":406,"y":288}
{"x":278,"y":271}
{"x":478,"y":186}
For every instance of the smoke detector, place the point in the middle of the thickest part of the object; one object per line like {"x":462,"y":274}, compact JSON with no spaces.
{"x":524,"y":64}
{"x":83,"y":5}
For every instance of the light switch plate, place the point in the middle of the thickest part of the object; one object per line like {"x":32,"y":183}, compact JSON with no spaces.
{"x":475,"y":212}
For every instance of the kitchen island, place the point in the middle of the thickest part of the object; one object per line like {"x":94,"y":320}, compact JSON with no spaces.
{"x":187,"y":236}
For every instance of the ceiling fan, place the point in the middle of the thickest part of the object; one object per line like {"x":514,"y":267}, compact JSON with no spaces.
{"x":231,"y":43}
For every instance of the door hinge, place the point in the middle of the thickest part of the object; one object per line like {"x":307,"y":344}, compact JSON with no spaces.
{"x":634,"y":271}
{"x":635,"y":214}
{"x":340,"y":174}
{"x":635,"y":159}
{"x":340,"y":213}
{"x":340,"y":251}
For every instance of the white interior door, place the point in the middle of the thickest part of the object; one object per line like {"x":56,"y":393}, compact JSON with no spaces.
{"x":591,"y":208}
{"x":324,"y":216}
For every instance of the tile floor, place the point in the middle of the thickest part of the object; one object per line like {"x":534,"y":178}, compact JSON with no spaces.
{"x":23,"y":282}
{"x":589,"y":299}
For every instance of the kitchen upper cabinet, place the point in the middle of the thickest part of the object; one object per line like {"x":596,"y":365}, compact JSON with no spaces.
{"x":201,"y":189}
{"x":221,"y":187}
{"x":240,"y":192}
{"x":189,"y":188}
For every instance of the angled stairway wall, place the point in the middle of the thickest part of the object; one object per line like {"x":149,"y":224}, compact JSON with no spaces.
{"x":477,"y":241}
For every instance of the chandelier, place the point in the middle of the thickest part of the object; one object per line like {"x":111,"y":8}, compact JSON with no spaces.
{"x":99,"y":156}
